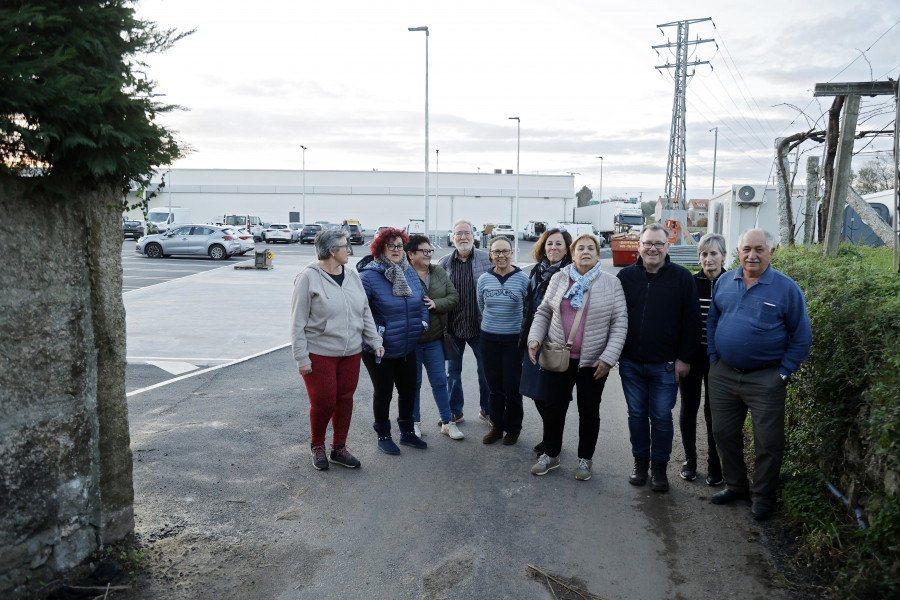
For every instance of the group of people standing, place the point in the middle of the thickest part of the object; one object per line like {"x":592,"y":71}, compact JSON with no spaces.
{"x":655,"y":320}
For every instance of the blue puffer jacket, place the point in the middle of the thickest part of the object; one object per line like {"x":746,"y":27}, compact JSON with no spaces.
{"x":402,"y":317}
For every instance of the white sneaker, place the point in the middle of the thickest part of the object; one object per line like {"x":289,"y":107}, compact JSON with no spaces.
{"x":450,"y":429}
{"x":417,"y":427}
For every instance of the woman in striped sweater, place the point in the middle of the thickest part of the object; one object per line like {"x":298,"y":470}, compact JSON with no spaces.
{"x":711,"y":251}
{"x":501,"y":296}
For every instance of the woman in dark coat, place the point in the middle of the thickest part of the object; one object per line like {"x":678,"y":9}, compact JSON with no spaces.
{"x":551,"y":253}
{"x":397,"y":301}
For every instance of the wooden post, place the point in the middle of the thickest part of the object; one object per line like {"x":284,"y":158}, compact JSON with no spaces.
{"x":809,"y":211}
{"x":842,"y":175}
{"x":783,"y":191}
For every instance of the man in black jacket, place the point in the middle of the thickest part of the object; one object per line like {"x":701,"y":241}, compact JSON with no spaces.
{"x":663,"y":336}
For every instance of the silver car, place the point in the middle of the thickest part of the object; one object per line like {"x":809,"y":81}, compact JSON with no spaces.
{"x":216,"y":242}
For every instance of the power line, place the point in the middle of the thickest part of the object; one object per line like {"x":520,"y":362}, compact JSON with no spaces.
{"x":730,"y":57}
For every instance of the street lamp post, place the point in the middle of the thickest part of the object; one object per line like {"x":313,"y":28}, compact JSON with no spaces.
{"x":715,"y":148}
{"x":516,"y":224}
{"x":437,"y":198}
{"x":600,"y":195}
{"x":425,"y":29}
{"x":304,"y":186}
{"x":169,"y":182}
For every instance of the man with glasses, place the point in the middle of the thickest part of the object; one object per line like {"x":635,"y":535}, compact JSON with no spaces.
{"x":464,"y":266}
{"x":663,"y":336}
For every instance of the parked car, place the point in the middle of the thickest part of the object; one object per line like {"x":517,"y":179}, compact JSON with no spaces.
{"x":354,"y":234}
{"x":133,"y":229}
{"x":504,"y":230}
{"x":308,"y":233}
{"x":296,"y":228}
{"x":277,"y":232}
{"x":204,"y":240}
{"x":245,"y":238}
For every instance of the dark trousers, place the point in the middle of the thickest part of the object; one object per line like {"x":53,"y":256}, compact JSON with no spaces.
{"x":691,"y":387}
{"x":503,"y":369}
{"x":390,"y":373}
{"x":731,"y":395}
{"x":330,"y":388}
{"x":588,"y":394}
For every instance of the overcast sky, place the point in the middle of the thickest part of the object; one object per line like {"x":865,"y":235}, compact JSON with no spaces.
{"x":347,"y":80}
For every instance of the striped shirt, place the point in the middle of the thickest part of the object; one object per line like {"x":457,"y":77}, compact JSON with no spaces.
{"x":463,"y":321}
{"x":704,"y":289}
{"x":501,"y":299}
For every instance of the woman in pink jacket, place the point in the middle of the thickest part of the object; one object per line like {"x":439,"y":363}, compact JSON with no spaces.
{"x":599,"y":335}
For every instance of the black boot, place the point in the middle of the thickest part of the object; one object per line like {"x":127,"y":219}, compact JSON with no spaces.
{"x":659,"y":482}
{"x":639,"y":472}
{"x":385,"y":442}
{"x":408,"y":435}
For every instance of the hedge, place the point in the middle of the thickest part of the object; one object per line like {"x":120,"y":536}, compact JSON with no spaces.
{"x":843,"y":418}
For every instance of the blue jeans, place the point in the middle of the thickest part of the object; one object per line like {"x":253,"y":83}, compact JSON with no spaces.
{"x":650,"y":392}
{"x":432,"y":355}
{"x":454,"y":376}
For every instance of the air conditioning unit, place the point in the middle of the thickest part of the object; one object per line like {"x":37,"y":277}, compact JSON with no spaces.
{"x":748,"y":195}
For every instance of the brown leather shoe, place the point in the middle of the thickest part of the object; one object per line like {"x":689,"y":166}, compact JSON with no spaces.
{"x":510,"y":438}
{"x":492,"y":436}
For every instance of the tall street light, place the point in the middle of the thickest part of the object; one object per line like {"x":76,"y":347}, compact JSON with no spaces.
{"x":600,"y":195}
{"x":516,"y":224}
{"x":437,"y":198}
{"x":425,"y":29}
{"x":304,"y":186}
{"x":715,"y":147}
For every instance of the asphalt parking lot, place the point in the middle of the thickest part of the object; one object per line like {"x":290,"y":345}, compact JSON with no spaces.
{"x":186,"y":315}
{"x":227,"y":504}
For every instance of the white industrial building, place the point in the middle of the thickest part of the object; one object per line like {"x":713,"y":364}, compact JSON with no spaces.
{"x":374,"y":198}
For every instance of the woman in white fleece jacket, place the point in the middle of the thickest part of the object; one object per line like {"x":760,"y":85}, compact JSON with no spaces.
{"x":597,"y":344}
{"x":330,"y":316}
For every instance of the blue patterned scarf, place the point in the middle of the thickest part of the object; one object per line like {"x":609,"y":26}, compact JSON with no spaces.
{"x":575,"y":294}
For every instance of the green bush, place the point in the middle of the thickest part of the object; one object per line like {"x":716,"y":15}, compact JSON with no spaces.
{"x":843,"y":417}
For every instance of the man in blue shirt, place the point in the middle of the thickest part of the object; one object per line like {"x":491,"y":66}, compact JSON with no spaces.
{"x":758,"y":334}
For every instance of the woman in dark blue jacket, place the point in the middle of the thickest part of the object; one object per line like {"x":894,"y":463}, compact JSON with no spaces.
{"x":396,"y":299}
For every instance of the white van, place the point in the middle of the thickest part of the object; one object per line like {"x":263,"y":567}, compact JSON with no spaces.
{"x":164,"y":218}
{"x":251,"y":223}
{"x":533,"y":230}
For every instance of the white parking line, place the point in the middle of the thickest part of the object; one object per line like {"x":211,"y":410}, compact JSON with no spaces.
{"x":229,"y":266}
{"x":194,"y":374}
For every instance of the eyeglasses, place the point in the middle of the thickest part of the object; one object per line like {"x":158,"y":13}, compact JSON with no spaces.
{"x":501,"y":252}
{"x":394,"y":246}
{"x":424,"y":251}
{"x":340,"y":247}
{"x":462,"y":234}
{"x":657,"y":245}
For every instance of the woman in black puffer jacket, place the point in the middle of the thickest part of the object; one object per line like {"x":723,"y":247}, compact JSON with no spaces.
{"x":551,"y":253}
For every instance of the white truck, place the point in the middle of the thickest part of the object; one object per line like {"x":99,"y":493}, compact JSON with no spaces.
{"x":164,"y":217}
{"x":612,"y":217}
{"x":574,"y":229}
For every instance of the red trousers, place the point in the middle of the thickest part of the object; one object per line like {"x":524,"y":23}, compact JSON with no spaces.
{"x":330,"y":388}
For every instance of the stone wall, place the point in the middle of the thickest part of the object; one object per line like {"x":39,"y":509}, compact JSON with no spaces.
{"x":61,"y":384}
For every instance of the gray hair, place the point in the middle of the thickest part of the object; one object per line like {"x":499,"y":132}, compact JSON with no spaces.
{"x":328,"y":239}
{"x":712,"y":239}
{"x":463,"y":222}
{"x":770,"y":239}
{"x":654,"y":227}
